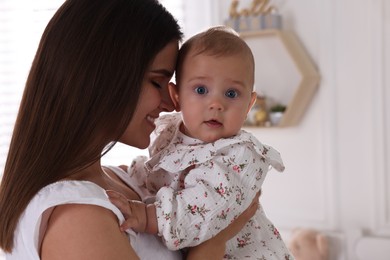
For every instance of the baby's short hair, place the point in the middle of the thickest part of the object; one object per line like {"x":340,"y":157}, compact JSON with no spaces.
{"x":215,"y":41}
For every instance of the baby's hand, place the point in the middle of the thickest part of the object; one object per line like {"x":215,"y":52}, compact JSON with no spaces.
{"x":134,"y":211}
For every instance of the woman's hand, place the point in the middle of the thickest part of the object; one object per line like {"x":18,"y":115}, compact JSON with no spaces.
{"x":214,"y":248}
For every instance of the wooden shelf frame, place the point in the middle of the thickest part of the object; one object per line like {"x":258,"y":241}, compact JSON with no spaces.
{"x":310,"y":77}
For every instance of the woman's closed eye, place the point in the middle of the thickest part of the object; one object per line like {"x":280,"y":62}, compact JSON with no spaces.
{"x":156,"y":84}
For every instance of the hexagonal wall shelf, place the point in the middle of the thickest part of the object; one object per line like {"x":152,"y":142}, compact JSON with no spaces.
{"x":284,"y":71}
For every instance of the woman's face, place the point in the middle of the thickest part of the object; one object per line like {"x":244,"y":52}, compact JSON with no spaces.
{"x":154,"y":98}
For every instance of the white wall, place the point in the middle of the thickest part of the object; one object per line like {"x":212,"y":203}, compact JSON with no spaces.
{"x":336,"y":178}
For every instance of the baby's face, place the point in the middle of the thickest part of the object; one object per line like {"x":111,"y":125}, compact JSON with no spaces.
{"x":215,"y":95}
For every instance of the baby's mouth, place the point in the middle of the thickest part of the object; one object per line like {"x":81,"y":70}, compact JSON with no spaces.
{"x":213,"y":123}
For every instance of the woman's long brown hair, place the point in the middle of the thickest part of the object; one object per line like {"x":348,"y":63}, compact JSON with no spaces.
{"x":80,"y":95}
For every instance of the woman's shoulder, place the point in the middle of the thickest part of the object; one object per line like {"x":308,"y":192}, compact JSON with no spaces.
{"x":68,"y":198}
{"x":69,"y":192}
{"x":83,"y":223}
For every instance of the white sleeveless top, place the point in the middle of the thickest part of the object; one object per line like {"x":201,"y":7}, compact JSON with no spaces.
{"x":33,"y":222}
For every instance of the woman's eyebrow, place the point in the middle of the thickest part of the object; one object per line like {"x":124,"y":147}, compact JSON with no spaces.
{"x":164,"y":72}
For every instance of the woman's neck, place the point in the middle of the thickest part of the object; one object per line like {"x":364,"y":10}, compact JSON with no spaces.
{"x":105,"y":178}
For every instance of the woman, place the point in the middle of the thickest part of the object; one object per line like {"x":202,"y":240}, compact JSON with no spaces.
{"x":99,"y":76}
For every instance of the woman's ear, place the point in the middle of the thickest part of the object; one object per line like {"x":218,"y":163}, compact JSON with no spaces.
{"x":174,"y":93}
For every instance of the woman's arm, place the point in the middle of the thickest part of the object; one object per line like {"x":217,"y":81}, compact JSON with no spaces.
{"x":77,"y":231}
{"x":213,"y":248}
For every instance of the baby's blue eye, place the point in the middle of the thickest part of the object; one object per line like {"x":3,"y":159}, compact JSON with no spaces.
{"x":231,"y":93}
{"x":201,"y":90}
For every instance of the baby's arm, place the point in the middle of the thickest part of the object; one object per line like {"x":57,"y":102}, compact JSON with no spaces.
{"x":215,"y":193}
{"x":138,"y":216}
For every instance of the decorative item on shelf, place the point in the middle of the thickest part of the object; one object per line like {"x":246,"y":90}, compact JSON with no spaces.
{"x":259,"y":16}
{"x":276,"y":113}
{"x":258,"y":115}
{"x":277,"y":52}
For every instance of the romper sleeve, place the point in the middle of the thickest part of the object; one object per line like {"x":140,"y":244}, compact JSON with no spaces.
{"x":137,"y":178}
{"x":223,"y":180}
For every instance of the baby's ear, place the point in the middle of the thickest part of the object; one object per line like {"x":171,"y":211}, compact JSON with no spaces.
{"x":252,"y":101}
{"x":174,"y":93}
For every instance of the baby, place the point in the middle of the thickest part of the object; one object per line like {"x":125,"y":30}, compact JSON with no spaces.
{"x":204,"y":170}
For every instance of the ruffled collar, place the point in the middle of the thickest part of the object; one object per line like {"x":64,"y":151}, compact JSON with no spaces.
{"x":181,"y":151}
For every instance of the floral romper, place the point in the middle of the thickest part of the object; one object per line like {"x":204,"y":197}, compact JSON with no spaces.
{"x":200,"y":188}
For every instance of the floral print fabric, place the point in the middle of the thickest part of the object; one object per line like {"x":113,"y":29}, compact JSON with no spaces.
{"x":200,"y":188}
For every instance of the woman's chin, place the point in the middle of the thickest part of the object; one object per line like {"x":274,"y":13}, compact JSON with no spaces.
{"x":141,"y":144}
